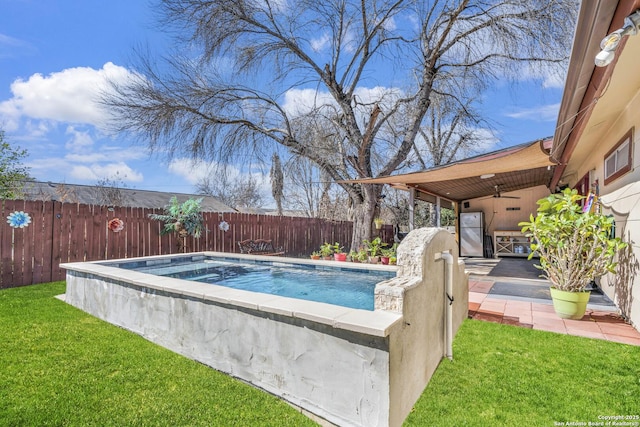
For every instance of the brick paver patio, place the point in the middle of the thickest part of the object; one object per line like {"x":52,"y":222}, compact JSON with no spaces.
{"x":605,"y":325}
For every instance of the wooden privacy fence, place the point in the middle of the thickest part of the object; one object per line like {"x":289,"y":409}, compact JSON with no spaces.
{"x":70,"y":232}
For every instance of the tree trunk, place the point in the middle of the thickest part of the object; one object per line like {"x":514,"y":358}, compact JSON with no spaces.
{"x":364,"y":211}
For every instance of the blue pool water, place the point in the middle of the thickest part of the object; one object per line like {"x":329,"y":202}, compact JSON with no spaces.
{"x":339,"y":286}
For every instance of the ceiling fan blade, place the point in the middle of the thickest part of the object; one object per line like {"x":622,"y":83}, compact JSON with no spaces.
{"x":508,"y":197}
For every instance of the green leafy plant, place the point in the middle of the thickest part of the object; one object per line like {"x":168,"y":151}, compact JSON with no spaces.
{"x":374,"y":247}
{"x":574,"y":247}
{"x":182,"y":218}
{"x":12,"y":173}
{"x":390,"y":252}
{"x":326,"y":249}
{"x":362,"y":255}
{"x":337,"y":249}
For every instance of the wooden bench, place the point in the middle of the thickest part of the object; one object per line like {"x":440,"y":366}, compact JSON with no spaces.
{"x":259,"y":247}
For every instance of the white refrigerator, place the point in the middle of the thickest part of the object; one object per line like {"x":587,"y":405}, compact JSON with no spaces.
{"x":472,"y":234}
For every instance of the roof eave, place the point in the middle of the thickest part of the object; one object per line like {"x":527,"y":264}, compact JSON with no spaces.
{"x":585,"y":82}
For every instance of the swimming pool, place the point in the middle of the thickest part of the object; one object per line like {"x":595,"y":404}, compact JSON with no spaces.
{"x":344,"y":286}
{"x":351,"y":367}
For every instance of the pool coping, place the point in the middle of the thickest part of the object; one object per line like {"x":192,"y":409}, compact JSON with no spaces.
{"x":376,"y":323}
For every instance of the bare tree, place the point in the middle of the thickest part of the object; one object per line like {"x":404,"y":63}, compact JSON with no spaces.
{"x":66,"y":194}
{"x":241,"y":193}
{"x":229,"y":99}
{"x":449,"y":133}
{"x":108,"y":190}
{"x":302,"y":191}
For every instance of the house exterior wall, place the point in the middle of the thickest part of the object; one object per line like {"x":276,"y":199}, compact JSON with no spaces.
{"x":620,"y":198}
{"x":499,"y":213}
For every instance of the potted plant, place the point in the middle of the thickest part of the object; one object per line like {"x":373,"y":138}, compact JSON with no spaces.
{"x":315,"y":255}
{"x":326,"y":251}
{"x":353,"y":256}
{"x":363,"y":255}
{"x":378,"y":222}
{"x":374,"y":247}
{"x":338,"y":253}
{"x":387,"y":254}
{"x":574,"y":248}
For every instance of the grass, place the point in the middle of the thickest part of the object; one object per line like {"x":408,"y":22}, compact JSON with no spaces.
{"x":511,"y":376}
{"x":62,"y":367}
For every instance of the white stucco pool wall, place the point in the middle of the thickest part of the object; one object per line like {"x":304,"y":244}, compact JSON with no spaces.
{"x":350,"y":367}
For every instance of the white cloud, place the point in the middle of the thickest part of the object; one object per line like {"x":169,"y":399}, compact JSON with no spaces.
{"x":274,"y":5}
{"x":544,"y":113}
{"x":487,"y":141}
{"x":83,"y":168}
{"x":320,"y":43}
{"x":40,"y":167}
{"x":12,"y":47}
{"x":302,"y":101}
{"x":68,"y":96}
{"x":298,"y":102}
{"x":550,"y":76}
{"x":79,"y":139}
{"x":97,"y":171}
{"x":195,"y":171}
{"x":192,"y":171}
{"x":390,"y":24}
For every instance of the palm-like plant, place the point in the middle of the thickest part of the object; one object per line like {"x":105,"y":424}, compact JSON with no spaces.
{"x":182,"y":218}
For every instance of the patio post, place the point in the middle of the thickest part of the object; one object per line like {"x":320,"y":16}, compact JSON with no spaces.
{"x":412,"y":205}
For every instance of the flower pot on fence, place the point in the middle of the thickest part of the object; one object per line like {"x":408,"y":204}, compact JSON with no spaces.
{"x":569,"y":305}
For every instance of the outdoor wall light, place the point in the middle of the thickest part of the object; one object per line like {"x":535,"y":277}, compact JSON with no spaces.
{"x":611,"y":42}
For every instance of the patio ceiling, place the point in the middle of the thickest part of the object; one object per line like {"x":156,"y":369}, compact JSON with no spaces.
{"x":515,"y":168}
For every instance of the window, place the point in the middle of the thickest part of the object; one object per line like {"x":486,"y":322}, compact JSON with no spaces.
{"x":617,"y":162}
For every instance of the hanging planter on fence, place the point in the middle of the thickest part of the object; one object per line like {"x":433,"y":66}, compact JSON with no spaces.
{"x":116,"y":225}
{"x":19,"y":219}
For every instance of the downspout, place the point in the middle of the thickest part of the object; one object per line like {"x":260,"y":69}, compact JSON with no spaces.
{"x":448,"y":285}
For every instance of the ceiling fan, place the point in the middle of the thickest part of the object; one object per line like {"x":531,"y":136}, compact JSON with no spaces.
{"x":498,"y":195}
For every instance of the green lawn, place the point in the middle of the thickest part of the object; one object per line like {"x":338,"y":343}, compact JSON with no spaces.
{"x":60,"y":366}
{"x":510,"y":376}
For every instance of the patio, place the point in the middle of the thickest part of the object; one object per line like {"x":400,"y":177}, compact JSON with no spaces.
{"x":509,"y":291}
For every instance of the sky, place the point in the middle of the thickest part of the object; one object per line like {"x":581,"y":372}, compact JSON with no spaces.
{"x":55,"y":55}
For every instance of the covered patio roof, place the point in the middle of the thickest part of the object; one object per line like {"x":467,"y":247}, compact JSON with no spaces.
{"x":514,"y":168}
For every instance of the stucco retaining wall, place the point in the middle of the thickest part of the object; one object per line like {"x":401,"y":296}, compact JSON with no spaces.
{"x":350,"y":367}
